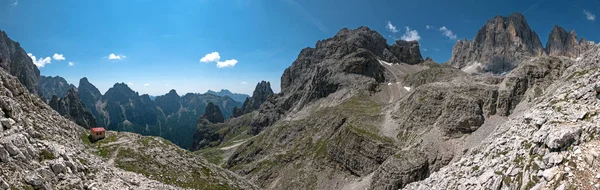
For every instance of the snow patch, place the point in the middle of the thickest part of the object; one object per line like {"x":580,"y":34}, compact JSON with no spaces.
{"x":383,"y":62}
{"x":407,"y":88}
{"x":389,"y":83}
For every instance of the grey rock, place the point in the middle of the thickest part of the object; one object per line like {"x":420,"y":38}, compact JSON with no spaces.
{"x":4,"y":155}
{"x":34,"y":180}
{"x":58,"y":168}
{"x":549,"y":174}
{"x":4,"y":185}
{"x":7,"y":122}
{"x":357,"y":152}
{"x":553,"y":158}
{"x":11,"y":148}
{"x":400,"y":169}
{"x":499,"y":46}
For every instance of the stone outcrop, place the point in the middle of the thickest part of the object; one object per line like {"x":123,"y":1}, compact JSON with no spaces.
{"x":53,"y":86}
{"x":400,"y":169}
{"x":499,"y":46}
{"x":15,"y":60}
{"x":71,"y":107}
{"x":259,"y":96}
{"x":455,"y":108}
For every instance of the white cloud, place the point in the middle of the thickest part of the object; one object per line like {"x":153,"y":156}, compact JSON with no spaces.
{"x":391,"y":27}
{"x":129,"y":83}
{"x":39,"y":62}
{"x":215,"y":57}
{"x":447,"y":32}
{"x":211,"y":57}
{"x":226,"y":63}
{"x":71,"y":63}
{"x":112,"y":56}
{"x":424,"y":49}
{"x":428,"y":27}
{"x":436,"y":49}
{"x":14,"y":4}
{"x":243,"y":82}
{"x":411,"y":35}
{"x":588,"y":15}
{"x":146,"y":85}
{"x":58,"y":57}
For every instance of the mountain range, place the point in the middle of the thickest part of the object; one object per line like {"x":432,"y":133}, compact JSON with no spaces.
{"x":353,"y":113}
{"x":170,"y":116}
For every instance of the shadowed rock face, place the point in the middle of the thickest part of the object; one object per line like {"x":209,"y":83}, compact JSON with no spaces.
{"x":498,"y":46}
{"x":213,"y":114}
{"x":15,"y":60}
{"x":71,"y":107}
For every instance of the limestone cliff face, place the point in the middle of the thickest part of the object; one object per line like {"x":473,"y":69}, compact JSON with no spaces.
{"x":53,"y":86}
{"x":563,"y":43}
{"x":15,"y":60}
{"x":499,"y":46}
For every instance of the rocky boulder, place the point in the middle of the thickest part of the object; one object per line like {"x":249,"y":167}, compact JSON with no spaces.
{"x":499,"y":46}
{"x":400,"y":169}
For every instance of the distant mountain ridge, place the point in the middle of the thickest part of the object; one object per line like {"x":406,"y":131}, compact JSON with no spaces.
{"x":53,"y":86}
{"x":224,"y":92}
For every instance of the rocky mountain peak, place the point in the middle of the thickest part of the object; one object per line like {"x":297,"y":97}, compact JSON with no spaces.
{"x":213,"y":113}
{"x":563,"y":43}
{"x":49,"y":86}
{"x":169,"y":103}
{"x":499,"y":46}
{"x":15,"y":60}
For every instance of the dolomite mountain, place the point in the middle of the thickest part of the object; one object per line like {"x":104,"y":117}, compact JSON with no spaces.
{"x":356,"y":113}
{"x":353,"y":113}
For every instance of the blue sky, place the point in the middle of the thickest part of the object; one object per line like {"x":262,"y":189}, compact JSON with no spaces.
{"x":158,"y":45}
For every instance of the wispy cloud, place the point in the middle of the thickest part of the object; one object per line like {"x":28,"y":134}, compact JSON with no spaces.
{"x":436,"y":49}
{"x":58,"y":57}
{"x":243,"y":82}
{"x":588,"y":15}
{"x":424,"y":49}
{"x":533,"y":6}
{"x":411,"y":35}
{"x":215,"y":57}
{"x":15,"y":3}
{"x":129,"y":83}
{"x":391,"y":27}
{"x":113,"y":56}
{"x":428,"y":27}
{"x":146,"y":85}
{"x":314,"y":20}
{"x":40,"y":62}
{"x":71,"y":63}
{"x":447,"y":32}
